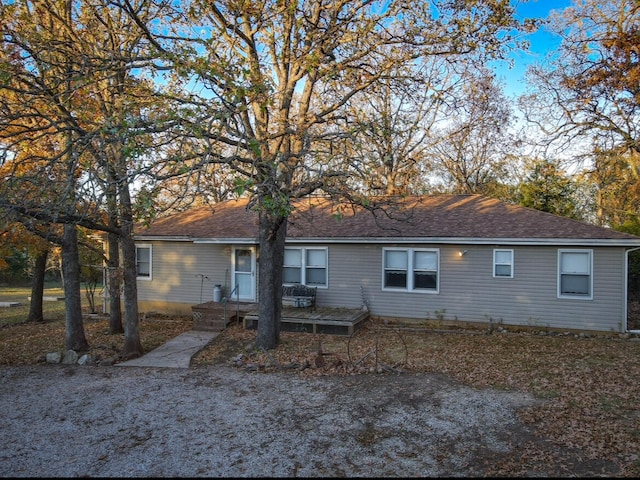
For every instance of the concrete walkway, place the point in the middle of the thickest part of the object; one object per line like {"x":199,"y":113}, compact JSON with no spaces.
{"x":176,"y":353}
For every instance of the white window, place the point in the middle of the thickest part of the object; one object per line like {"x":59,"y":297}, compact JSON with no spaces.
{"x":305,"y":266}
{"x":143,"y":261}
{"x":574,"y":274}
{"x":410,"y":269}
{"x":503,"y":263}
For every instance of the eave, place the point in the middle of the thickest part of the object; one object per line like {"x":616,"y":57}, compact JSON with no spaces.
{"x":584,"y":242}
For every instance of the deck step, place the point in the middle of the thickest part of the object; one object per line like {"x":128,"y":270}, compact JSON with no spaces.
{"x":213,"y":316}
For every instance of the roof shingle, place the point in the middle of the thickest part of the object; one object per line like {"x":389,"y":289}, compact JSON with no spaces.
{"x":431,"y":216}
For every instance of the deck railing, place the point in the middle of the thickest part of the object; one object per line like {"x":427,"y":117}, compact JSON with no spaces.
{"x":225,"y":300}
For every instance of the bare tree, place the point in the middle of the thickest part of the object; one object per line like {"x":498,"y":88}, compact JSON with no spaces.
{"x":586,"y":94}
{"x":472,"y":148}
{"x":393,"y":126}
{"x":269,"y":82}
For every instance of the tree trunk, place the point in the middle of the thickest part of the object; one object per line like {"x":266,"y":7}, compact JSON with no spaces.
{"x":273,"y":231}
{"x":37,"y":288}
{"x":75,"y":338}
{"x":132,"y":344}
{"x":114,"y":272}
{"x":114,"y":281}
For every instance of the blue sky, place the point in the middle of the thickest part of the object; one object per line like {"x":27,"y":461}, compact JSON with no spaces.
{"x":541,"y":42}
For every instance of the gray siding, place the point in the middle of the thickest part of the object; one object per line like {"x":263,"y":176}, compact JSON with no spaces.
{"x":176,"y":269}
{"x":469,"y":292}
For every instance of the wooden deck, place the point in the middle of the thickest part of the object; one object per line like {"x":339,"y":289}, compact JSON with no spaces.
{"x":213,"y":316}
{"x":333,"y":321}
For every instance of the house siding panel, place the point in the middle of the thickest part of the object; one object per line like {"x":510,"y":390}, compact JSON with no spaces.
{"x":177,"y":269}
{"x":469,"y":292}
{"x":354,"y":274}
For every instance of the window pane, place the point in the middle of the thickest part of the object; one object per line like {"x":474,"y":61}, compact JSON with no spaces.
{"x":291,"y":275}
{"x":143,"y":261}
{"x":424,"y":280}
{"x":503,"y":270}
{"x":244,"y":285}
{"x":316,"y":276}
{"x":425,"y":261}
{"x":575,"y":284}
{"x":143,"y":254}
{"x":243,"y":260}
{"x":575,"y":262}
{"x":395,"y":259}
{"x":143,"y":270}
{"x":394,"y":278}
{"x":503,"y":256}
{"x":292,"y":256}
{"x":316,"y":258}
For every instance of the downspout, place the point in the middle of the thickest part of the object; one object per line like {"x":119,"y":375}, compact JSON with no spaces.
{"x":626,"y":289}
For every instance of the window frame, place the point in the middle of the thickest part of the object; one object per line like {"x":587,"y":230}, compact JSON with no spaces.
{"x":560,"y":273}
{"x":410,"y":270}
{"x":150,"y":248}
{"x":304,"y":266}
{"x":511,"y":263}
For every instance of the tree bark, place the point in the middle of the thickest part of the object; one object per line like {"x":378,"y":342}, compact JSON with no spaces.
{"x":132,"y":344}
{"x":37,"y":288}
{"x":114,"y":272}
{"x":114,"y":280}
{"x":273,"y":231}
{"x":75,"y":338}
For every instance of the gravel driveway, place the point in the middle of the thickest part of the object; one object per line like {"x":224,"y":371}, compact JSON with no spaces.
{"x":72,"y":421}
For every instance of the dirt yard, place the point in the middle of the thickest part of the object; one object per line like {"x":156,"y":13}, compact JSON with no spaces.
{"x":423,"y":403}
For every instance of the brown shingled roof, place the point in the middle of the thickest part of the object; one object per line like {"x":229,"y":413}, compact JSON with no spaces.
{"x":432,"y":216}
{"x":229,"y":219}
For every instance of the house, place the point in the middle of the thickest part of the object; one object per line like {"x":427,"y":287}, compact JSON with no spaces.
{"x":450,"y":258}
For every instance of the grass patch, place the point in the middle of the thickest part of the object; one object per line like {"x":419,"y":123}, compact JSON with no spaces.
{"x":52,"y":311}
{"x":26,"y":343}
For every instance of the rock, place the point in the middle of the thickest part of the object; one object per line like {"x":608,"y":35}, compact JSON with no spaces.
{"x":70,"y":358}
{"x":86,"y":359}
{"x":54,"y":357}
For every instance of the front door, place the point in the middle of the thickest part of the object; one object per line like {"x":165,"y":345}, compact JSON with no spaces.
{"x":244,"y":273}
